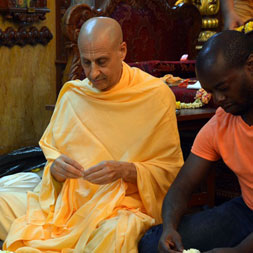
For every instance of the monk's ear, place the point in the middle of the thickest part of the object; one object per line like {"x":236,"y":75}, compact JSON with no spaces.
{"x":249,"y":63}
{"x":123,"y":50}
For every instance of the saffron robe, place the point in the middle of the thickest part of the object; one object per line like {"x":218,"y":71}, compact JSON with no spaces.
{"x":135,"y":121}
{"x":244,"y":9}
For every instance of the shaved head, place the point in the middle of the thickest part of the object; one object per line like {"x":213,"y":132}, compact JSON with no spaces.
{"x":102,"y":51}
{"x":233,"y":46}
{"x":101,"y":28}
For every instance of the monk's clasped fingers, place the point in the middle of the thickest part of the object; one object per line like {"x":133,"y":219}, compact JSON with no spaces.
{"x":67,"y":167}
{"x":103,"y":173}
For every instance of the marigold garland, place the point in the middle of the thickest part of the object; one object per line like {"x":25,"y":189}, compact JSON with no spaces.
{"x":202,"y":97}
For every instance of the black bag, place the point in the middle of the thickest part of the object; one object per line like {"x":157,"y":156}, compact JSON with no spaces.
{"x":22,"y":160}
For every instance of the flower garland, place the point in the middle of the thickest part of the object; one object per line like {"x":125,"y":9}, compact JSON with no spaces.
{"x":201,"y":98}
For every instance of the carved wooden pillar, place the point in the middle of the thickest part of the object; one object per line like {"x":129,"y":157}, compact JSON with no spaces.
{"x":65,"y":49}
{"x":73,"y":19}
{"x":211,"y":19}
{"x":61,"y":53}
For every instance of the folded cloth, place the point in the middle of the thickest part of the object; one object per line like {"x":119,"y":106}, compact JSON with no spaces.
{"x":196,"y":86}
{"x":20,"y":182}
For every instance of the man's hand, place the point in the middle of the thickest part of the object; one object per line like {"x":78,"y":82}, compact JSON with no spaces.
{"x":170,"y":241}
{"x":109,"y":171}
{"x":64,"y":167}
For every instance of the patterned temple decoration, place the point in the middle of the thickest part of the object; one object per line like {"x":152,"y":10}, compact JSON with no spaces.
{"x":24,"y":36}
{"x":22,"y":14}
{"x":209,"y":10}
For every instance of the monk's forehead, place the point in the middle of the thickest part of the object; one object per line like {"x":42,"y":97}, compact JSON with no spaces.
{"x":99,"y":44}
{"x":97,"y":40}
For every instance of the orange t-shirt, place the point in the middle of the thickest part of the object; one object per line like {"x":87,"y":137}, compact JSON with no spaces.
{"x":228,"y":137}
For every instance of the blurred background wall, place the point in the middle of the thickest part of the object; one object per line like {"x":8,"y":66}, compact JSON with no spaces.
{"x":27,"y":84}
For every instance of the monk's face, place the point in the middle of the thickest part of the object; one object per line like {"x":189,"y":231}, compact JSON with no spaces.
{"x":102,"y":62}
{"x":232,"y":89}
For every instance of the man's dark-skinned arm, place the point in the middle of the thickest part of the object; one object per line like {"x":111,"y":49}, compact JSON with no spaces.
{"x":176,"y":200}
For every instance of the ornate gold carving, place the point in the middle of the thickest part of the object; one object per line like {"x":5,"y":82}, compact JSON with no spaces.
{"x":210,"y":23}
{"x":205,"y":35}
{"x":207,"y":7}
{"x":181,"y":1}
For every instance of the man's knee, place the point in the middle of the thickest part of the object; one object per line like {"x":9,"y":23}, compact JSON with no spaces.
{"x":12,"y":206}
{"x":224,"y":221}
{"x":149,"y":242}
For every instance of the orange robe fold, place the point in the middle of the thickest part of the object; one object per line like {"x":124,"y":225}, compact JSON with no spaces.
{"x":135,"y":121}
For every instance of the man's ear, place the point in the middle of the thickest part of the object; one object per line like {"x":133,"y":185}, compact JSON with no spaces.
{"x":123,"y":50}
{"x":249,"y":63}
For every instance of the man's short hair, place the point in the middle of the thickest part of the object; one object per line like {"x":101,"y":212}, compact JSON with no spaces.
{"x":234,"y":46}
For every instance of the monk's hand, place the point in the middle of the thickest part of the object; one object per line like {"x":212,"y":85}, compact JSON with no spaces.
{"x":64,"y":167}
{"x":109,"y":171}
{"x":170,"y":241}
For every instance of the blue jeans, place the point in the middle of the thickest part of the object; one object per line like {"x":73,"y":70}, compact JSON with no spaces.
{"x":222,"y":226}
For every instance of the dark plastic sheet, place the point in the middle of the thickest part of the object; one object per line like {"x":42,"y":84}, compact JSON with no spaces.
{"x":22,"y":160}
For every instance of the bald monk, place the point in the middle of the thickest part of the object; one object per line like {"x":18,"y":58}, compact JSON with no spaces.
{"x":113,"y":150}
